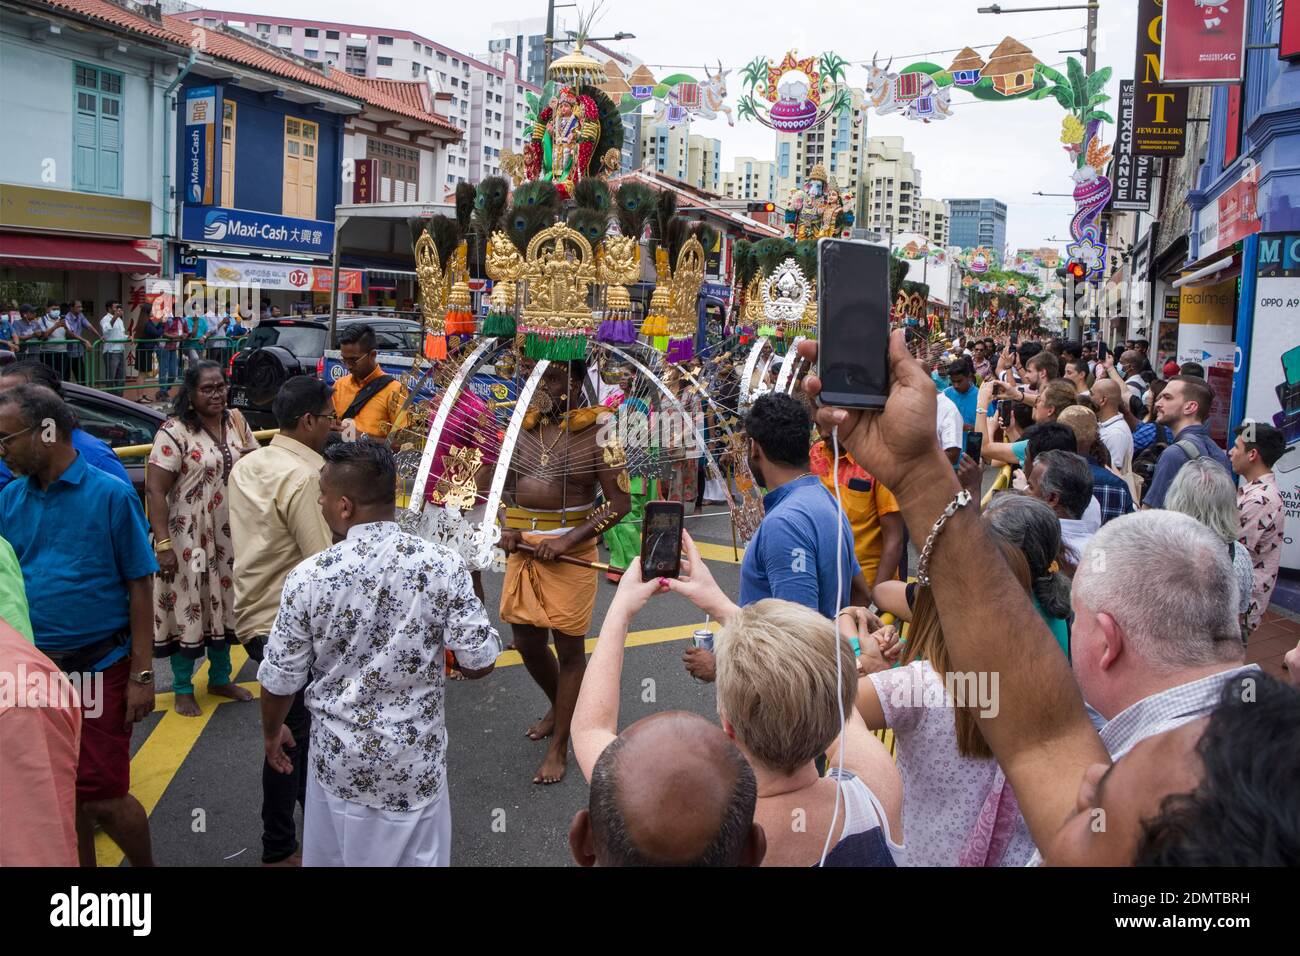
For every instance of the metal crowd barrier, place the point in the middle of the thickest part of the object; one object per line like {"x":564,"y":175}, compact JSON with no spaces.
{"x":1001,"y":483}
{"x":141,"y":361}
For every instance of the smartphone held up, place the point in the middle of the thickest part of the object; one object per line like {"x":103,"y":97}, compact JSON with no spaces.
{"x":661,"y":539}
{"x":853,"y":310}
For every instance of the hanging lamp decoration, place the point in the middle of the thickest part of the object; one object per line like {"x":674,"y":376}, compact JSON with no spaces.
{"x":685,"y":285}
{"x":618,"y":266}
{"x":460,"y":316}
{"x":505,"y":267}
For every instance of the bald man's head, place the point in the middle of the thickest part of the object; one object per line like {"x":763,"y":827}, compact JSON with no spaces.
{"x":1106,"y":394}
{"x":671,"y":790}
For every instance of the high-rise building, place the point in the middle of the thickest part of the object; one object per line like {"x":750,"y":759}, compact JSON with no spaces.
{"x":752,"y":179}
{"x":485,"y":100}
{"x":890,"y":200}
{"x":839,"y":144}
{"x":676,"y":152}
{"x":526,"y":40}
{"x":978,"y":222}
{"x":934,"y":221}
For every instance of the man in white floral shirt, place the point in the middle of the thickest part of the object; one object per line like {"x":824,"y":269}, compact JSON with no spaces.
{"x":1263,"y":515}
{"x":367,"y":622}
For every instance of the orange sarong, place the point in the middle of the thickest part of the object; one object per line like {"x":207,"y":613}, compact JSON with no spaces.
{"x":550,"y":594}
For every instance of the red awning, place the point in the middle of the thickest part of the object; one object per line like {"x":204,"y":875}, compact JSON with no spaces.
{"x":56,"y":252}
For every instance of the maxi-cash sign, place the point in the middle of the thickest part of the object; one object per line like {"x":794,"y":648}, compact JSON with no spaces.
{"x":256,"y":230}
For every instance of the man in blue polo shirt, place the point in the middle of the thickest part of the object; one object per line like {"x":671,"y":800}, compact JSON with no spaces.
{"x":793,"y":555}
{"x":97,"y":453}
{"x":1183,"y":406}
{"x":962,"y":391}
{"x":83,"y":546}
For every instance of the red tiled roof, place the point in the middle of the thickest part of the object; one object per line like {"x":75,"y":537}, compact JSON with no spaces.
{"x":119,"y":17}
{"x":404,"y":97}
{"x":222,"y":45}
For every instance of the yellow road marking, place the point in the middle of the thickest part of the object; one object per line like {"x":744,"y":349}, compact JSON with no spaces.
{"x":720,"y":552}
{"x":168,"y":744}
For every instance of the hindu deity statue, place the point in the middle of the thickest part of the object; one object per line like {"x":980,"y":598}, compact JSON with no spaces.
{"x":817,"y":210}
{"x":562,"y":141}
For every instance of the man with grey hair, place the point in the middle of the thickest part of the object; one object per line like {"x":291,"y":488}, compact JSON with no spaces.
{"x":1064,"y":481}
{"x":1153,"y":664}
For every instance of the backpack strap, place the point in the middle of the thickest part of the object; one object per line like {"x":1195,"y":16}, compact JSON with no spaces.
{"x":368,"y":391}
{"x":1189,"y":449}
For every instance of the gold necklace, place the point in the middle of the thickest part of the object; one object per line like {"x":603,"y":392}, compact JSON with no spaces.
{"x":546,"y":451}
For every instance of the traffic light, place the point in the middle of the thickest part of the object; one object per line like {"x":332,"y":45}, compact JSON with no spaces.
{"x":764,"y":207}
{"x":1076,"y":270}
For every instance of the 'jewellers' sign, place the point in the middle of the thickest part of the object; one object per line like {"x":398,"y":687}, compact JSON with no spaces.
{"x":1159,"y":111}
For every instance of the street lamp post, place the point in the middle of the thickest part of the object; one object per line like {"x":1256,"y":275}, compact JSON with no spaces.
{"x":1090,"y":57}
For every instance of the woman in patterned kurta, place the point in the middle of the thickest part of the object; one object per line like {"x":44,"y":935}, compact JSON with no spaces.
{"x":187,"y":476}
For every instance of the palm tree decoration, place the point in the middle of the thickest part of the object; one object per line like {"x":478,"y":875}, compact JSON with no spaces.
{"x":765,"y":103}
{"x":1081,"y":96}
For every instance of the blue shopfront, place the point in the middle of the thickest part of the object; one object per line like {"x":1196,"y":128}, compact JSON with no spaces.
{"x":1246,"y":220}
{"x":259,"y":177}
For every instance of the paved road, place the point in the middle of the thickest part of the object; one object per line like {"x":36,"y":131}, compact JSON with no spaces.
{"x":200,"y":778}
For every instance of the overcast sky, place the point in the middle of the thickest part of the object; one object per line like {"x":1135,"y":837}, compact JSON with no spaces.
{"x":1003,"y":150}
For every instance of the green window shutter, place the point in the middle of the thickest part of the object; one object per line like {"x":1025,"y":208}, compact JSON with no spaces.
{"x":110,"y":145}
{"x":85,"y":145}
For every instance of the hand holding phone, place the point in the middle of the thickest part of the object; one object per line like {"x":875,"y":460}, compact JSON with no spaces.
{"x":853,"y":323}
{"x":661,"y":539}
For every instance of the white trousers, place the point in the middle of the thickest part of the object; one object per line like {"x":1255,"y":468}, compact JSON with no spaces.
{"x":337,"y":832}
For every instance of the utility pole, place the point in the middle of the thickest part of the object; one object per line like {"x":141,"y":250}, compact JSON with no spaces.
{"x":549,"y":42}
{"x":1092,"y":39}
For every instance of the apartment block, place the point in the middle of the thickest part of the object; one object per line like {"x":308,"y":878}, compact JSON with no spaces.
{"x":839,"y":144}
{"x":485,"y":100}
{"x":751,"y":179}
{"x":890,"y":201}
{"x":934,"y":221}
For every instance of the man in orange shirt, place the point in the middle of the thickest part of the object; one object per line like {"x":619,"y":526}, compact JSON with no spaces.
{"x":871,"y":509}
{"x":40,"y":738}
{"x":367,"y":402}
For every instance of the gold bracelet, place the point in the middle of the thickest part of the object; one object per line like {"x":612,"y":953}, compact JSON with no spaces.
{"x":162,"y":546}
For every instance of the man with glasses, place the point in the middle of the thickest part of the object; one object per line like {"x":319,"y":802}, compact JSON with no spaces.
{"x":83,"y":546}
{"x":97,"y":453}
{"x":367,"y":401}
{"x":275,"y":523}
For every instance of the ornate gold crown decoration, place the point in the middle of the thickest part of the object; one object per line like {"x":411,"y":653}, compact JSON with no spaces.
{"x":560,"y":269}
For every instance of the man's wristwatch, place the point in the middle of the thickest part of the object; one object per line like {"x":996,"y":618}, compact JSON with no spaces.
{"x":143,"y":677}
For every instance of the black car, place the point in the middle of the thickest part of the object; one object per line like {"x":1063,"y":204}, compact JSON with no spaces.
{"x":117,"y":421}
{"x":279,"y":349}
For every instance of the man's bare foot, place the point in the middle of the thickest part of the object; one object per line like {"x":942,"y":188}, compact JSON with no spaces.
{"x":543,"y":728}
{"x":454,"y":673}
{"x":187,"y":706}
{"x":552,"y":768}
{"x":231,"y":690}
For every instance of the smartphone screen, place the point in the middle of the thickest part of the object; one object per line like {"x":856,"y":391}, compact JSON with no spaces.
{"x":853,"y":323}
{"x":974,"y":443}
{"x":661,"y":539}
{"x":1015,"y":338}
{"x":1004,"y":412}
{"x":1101,"y":351}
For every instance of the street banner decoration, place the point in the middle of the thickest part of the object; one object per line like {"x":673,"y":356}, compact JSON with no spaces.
{"x":1202,"y":42}
{"x":678,"y":98}
{"x":1132,"y":174}
{"x":284,"y":276}
{"x":794,"y":95}
{"x":1159,"y":111}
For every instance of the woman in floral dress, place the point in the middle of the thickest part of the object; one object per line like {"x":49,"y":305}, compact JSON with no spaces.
{"x":187,"y":476}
